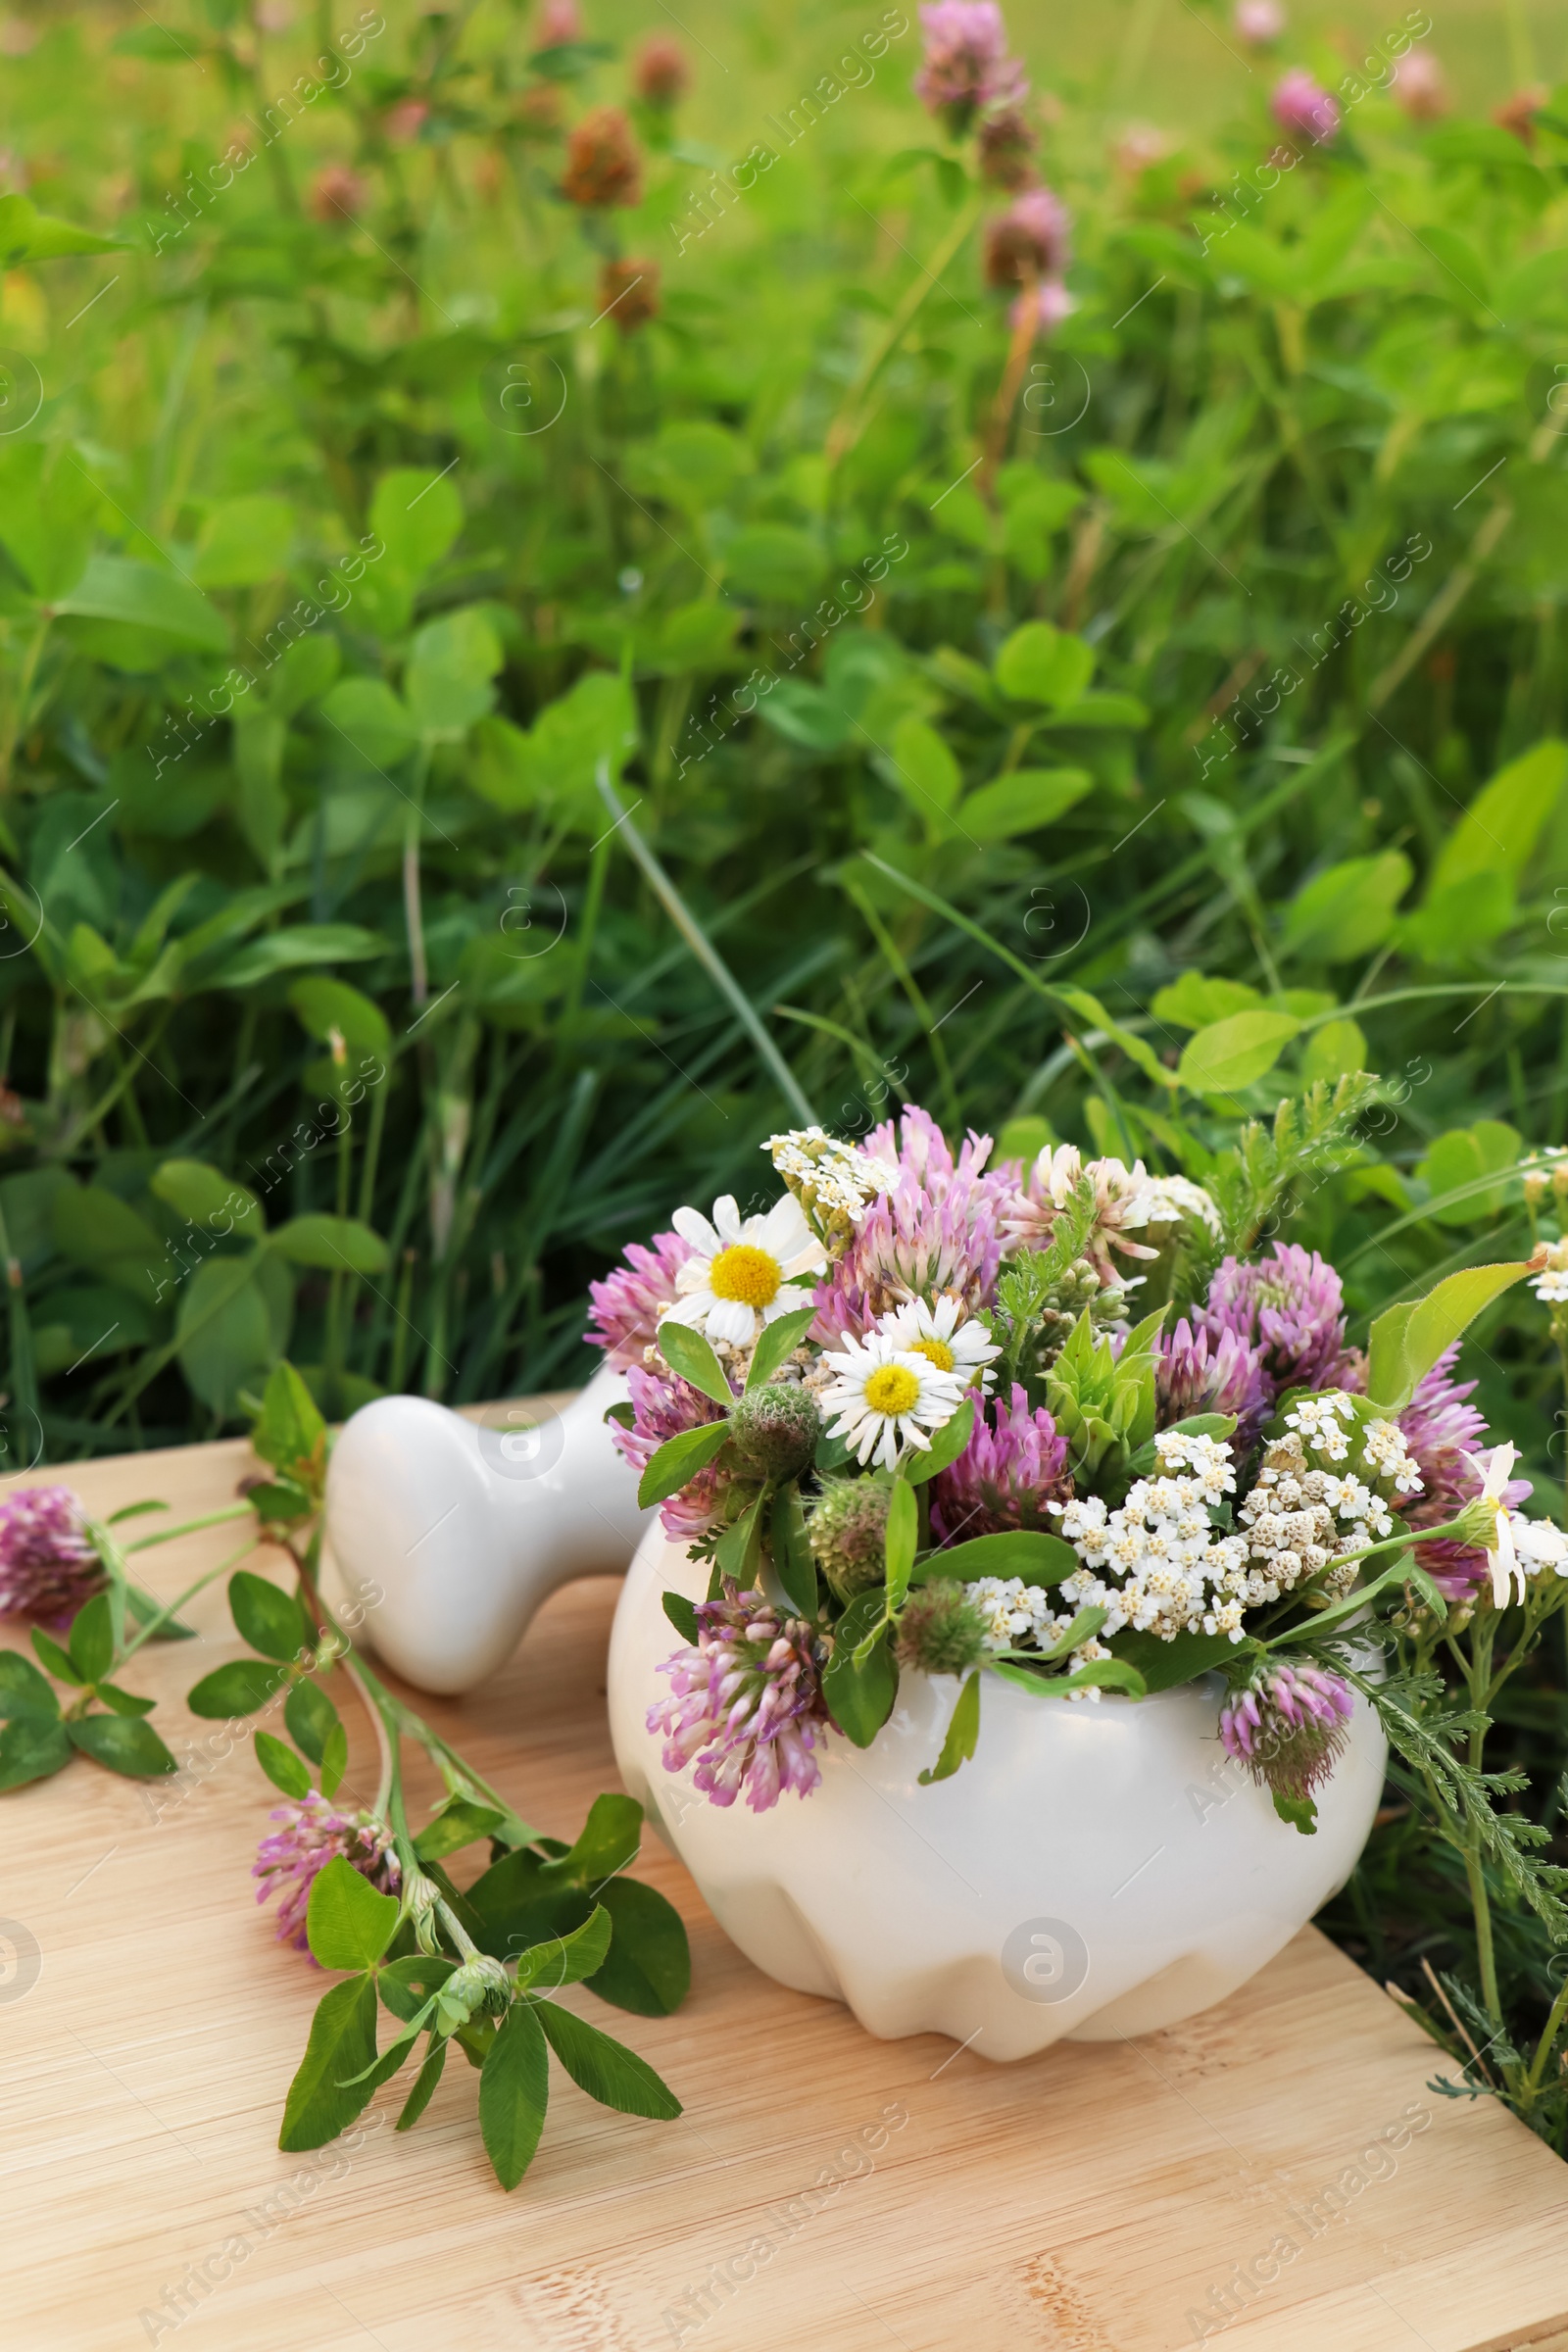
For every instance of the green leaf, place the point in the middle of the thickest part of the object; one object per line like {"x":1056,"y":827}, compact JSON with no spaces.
{"x":448,"y":680}
{"x":1460,"y":1161}
{"x":347,"y":1923}
{"x":124,"y":1703}
{"x":679,"y":1460}
{"x":226,"y":1342}
{"x":284,"y":951}
{"x":1039,"y":663}
{"x":648,"y":1968}
{"x":123,"y":1743}
{"x":203,"y":1195}
{"x":1300,"y":1811}
{"x":1030,"y":1553}
{"x":145,"y":1610}
{"x":513,"y":2089}
{"x":682,"y":1615}
{"x":418,"y":515}
{"x":1408,"y":1340}
{"x":738,"y":1552}
{"x":1235,"y":1052}
{"x":567,"y":1959}
{"x":24,"y":1690}
{"x":1498,"y":831}
{"x":118,"y":588}
{"x":334,"y":1244}
{"x":794,"y":1563}
{"x":271,"y":1620}
{"x":903,"y":1535}
{"x":458,"y":1824}
{"x":28,"y":235}
{"x":341,"y":2045}
{"x":244,"y":541}
{"x":925,"y":771}
{"x":688,"y":1352}
{"x":1023,"y":802}
{"x":513,"y":1906}
{"x":324,"y":1005}
{"x":962,"y":1732}
{"x":31,"y":1749}
{"x":311,"y":1718}
{"x":1350,"y":909}
{"x":778,"y":1342}
{"x":281,"y":1765}
{"x":947,"y":1443}
{"x":1164,"y":1664}
{"x":1101,"y":1674}
{"x":860,"y":1698}
{"x":55,"y":1658}
{"x":604,"y":2068}
{"x":289,"y":1430}
{"x":92,"y":1639}
{"x":420,"y":2097}
{"x":608,"y":1839}
{"x":236,"y":1690}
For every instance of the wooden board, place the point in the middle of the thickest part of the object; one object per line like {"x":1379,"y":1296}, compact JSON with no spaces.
{"x":821,"y":2189}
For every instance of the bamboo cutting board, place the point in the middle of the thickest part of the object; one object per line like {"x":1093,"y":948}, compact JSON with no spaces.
{"x":1280,"y":2157}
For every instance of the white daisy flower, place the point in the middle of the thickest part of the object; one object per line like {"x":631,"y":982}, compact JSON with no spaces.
{"x":743,"y":1272}
{"x":887,"y":1398}
{"x":946,"y":1337}
{"x":1167,"y":1199}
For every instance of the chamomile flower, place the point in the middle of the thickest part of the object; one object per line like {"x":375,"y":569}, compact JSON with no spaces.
{"x":741,"y":1273}
{"x":947,"y":1337}
{"x":887,"y":1398}
{"x":1550,"y":1285}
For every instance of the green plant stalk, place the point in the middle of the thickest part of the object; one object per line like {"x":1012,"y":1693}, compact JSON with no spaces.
{"x":851,"y":421}
{"x":148,"y":1631}
{"x":705,"y":953}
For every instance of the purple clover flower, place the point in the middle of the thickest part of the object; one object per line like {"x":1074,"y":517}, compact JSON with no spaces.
{"x":313,"y":1835}
{"x":1304,"y":107}
{"x":937,"y":1230}
{"x":664,"y":1408}
{"x":966,"y":65}
{"x":627,"y":1304}
{"x":1014,"y":1463}
{"x":49,"y":1564}
{"x":1288,"y":1725}
{"x":745,"y":1702}
{"x":1211,"y":1372}
{"x":1291,"y":1308}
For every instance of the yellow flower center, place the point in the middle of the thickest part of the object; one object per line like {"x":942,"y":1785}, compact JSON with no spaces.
{"x":746,"y":1273}
{"x":891,"y":1390}
{"x":934,"y":1351}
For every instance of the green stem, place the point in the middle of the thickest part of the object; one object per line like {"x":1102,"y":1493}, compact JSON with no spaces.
{"x":849,"y":423}
{"x":705,"y":953}
{"x":146,"y":1632}
{"x":189,"y":1526}
{"x":1544,"y":2047}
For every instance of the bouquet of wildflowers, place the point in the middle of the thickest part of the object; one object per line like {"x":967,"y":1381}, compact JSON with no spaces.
{"x":1065,"y":1424}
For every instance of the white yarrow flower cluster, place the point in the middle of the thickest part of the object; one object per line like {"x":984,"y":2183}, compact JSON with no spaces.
{"x":1167,"y":1199}
{"x":838,"y":1176}
{"x":1550,"y":1285}
{"x":1174,"y":1573}
{"x":1018,"y":1616}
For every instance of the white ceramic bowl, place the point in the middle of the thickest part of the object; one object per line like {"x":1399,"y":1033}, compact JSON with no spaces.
{"x":1095,"y":1871}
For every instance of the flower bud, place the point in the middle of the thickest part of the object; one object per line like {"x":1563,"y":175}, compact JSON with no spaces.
{"x":848,"y":1532}
{"x":939,"y":1630}
{"x":775,"y":1429}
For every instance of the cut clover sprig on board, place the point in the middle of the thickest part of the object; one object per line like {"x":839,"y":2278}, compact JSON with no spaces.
{"x":357,"y":1887}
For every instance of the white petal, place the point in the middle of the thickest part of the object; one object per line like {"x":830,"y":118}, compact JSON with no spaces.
{"x":727,"y":1219}
{"x":693,"y":1227}
{"x":690,"y":1311}
{"x":733,"y":1320}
